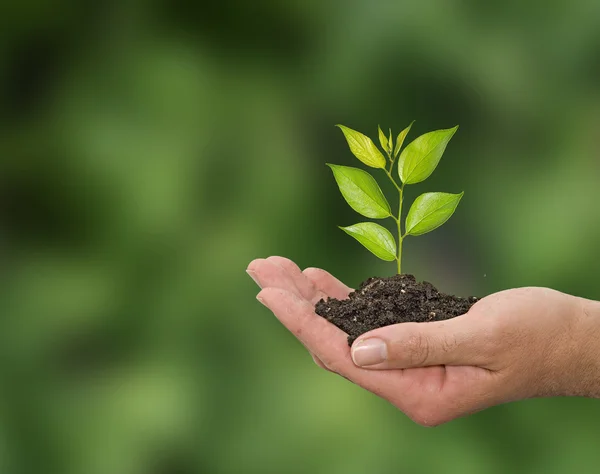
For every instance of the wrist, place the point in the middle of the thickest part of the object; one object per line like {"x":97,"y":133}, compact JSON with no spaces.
{"x":586,"y":362}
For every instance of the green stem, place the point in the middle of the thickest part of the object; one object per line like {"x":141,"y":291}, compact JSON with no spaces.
{"x":393,"y":180}
{"x":399,"y":219}
{"x":399,"y":222}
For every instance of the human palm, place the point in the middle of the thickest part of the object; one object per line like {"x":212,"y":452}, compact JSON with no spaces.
{"x":510,"y":345}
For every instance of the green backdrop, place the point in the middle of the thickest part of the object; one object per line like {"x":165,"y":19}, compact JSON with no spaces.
{"x":150,"y":150}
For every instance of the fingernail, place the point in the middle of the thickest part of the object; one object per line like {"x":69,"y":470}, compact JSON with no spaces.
{"x":369,"y":352}
{"x":253,"y":276}
{"x":261,"y":300}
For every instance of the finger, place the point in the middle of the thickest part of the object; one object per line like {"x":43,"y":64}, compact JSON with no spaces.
{"x":298,"y":315}
{"x":329,"y":345}
{"x":458,"y":341}
{"x":321,"y":338}
{"x":263,"y":274}
{"x":267,"y":274}
{"x":318,"y":361}
{"x":305,"y":286}
{"x":327,"y":283}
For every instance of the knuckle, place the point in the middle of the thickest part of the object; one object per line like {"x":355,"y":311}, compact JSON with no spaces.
{"x":274,"y":294}
{"x":284,"y":263}
{"x":312,"y":272}
{"x":448,"y":344}
{"x":328,"y":364}
{"x":332,"y":367}
{"x":417,"y":349}
{"x":319,"y":362}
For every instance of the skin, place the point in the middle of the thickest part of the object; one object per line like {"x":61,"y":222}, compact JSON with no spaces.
{"x":512,"y":345}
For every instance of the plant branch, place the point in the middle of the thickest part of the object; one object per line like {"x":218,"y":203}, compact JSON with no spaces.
{"x":389,"y":174}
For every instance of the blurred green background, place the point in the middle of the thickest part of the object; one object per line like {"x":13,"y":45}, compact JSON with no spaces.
{"x":149,"y":150}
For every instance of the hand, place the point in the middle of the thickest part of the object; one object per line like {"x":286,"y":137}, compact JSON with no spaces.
{"x":516,"y":344}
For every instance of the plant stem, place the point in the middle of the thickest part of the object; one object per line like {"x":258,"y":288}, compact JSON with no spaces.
{"x":392,"y":179}
{"x":399,"y":219}
{"x":399,"y":222}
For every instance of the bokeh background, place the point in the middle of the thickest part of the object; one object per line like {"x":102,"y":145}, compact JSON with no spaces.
{"x":149,"y":150}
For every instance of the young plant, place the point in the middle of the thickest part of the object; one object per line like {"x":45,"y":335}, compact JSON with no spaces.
{"x":416,"y":162}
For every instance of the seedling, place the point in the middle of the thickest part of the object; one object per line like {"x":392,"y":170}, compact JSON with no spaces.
{"x":415,"y":163}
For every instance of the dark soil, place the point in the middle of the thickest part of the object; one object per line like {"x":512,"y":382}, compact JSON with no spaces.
{"x":383,"y":301}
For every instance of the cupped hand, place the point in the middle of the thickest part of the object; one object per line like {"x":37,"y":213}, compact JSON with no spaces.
{"x":516,"y":344}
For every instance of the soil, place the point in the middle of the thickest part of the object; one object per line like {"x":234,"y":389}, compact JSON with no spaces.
{"x":383,"y":301}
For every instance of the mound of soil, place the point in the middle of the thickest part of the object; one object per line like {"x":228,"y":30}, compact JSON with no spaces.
{"x":383,"y":301}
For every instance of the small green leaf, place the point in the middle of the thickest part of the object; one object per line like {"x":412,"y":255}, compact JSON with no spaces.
{"x":375,"y":238}
{"x":390,"y":142}
{"x":363,"y":148}
{"x":382,"y":139}
{"x":401,"y":138}
{"x":429,"y":211}
{"x":420,"y":157}
{"x":361,"y":191}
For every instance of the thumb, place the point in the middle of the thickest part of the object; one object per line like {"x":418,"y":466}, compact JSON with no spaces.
{"x":458,"y":341}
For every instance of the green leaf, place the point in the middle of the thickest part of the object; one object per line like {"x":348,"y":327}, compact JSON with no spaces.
{"x":429,"y":211}
{"x":363,"y":148}
{"x":420,"y":157}
{"x":400,"y":139}
{"x":382,"y":139}
{"x":375,"y":238}
{"x":390,"y":142}
{"x":361,"y":191}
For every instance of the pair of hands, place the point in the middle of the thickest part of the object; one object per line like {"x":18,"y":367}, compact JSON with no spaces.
{"x":512,"y":345}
